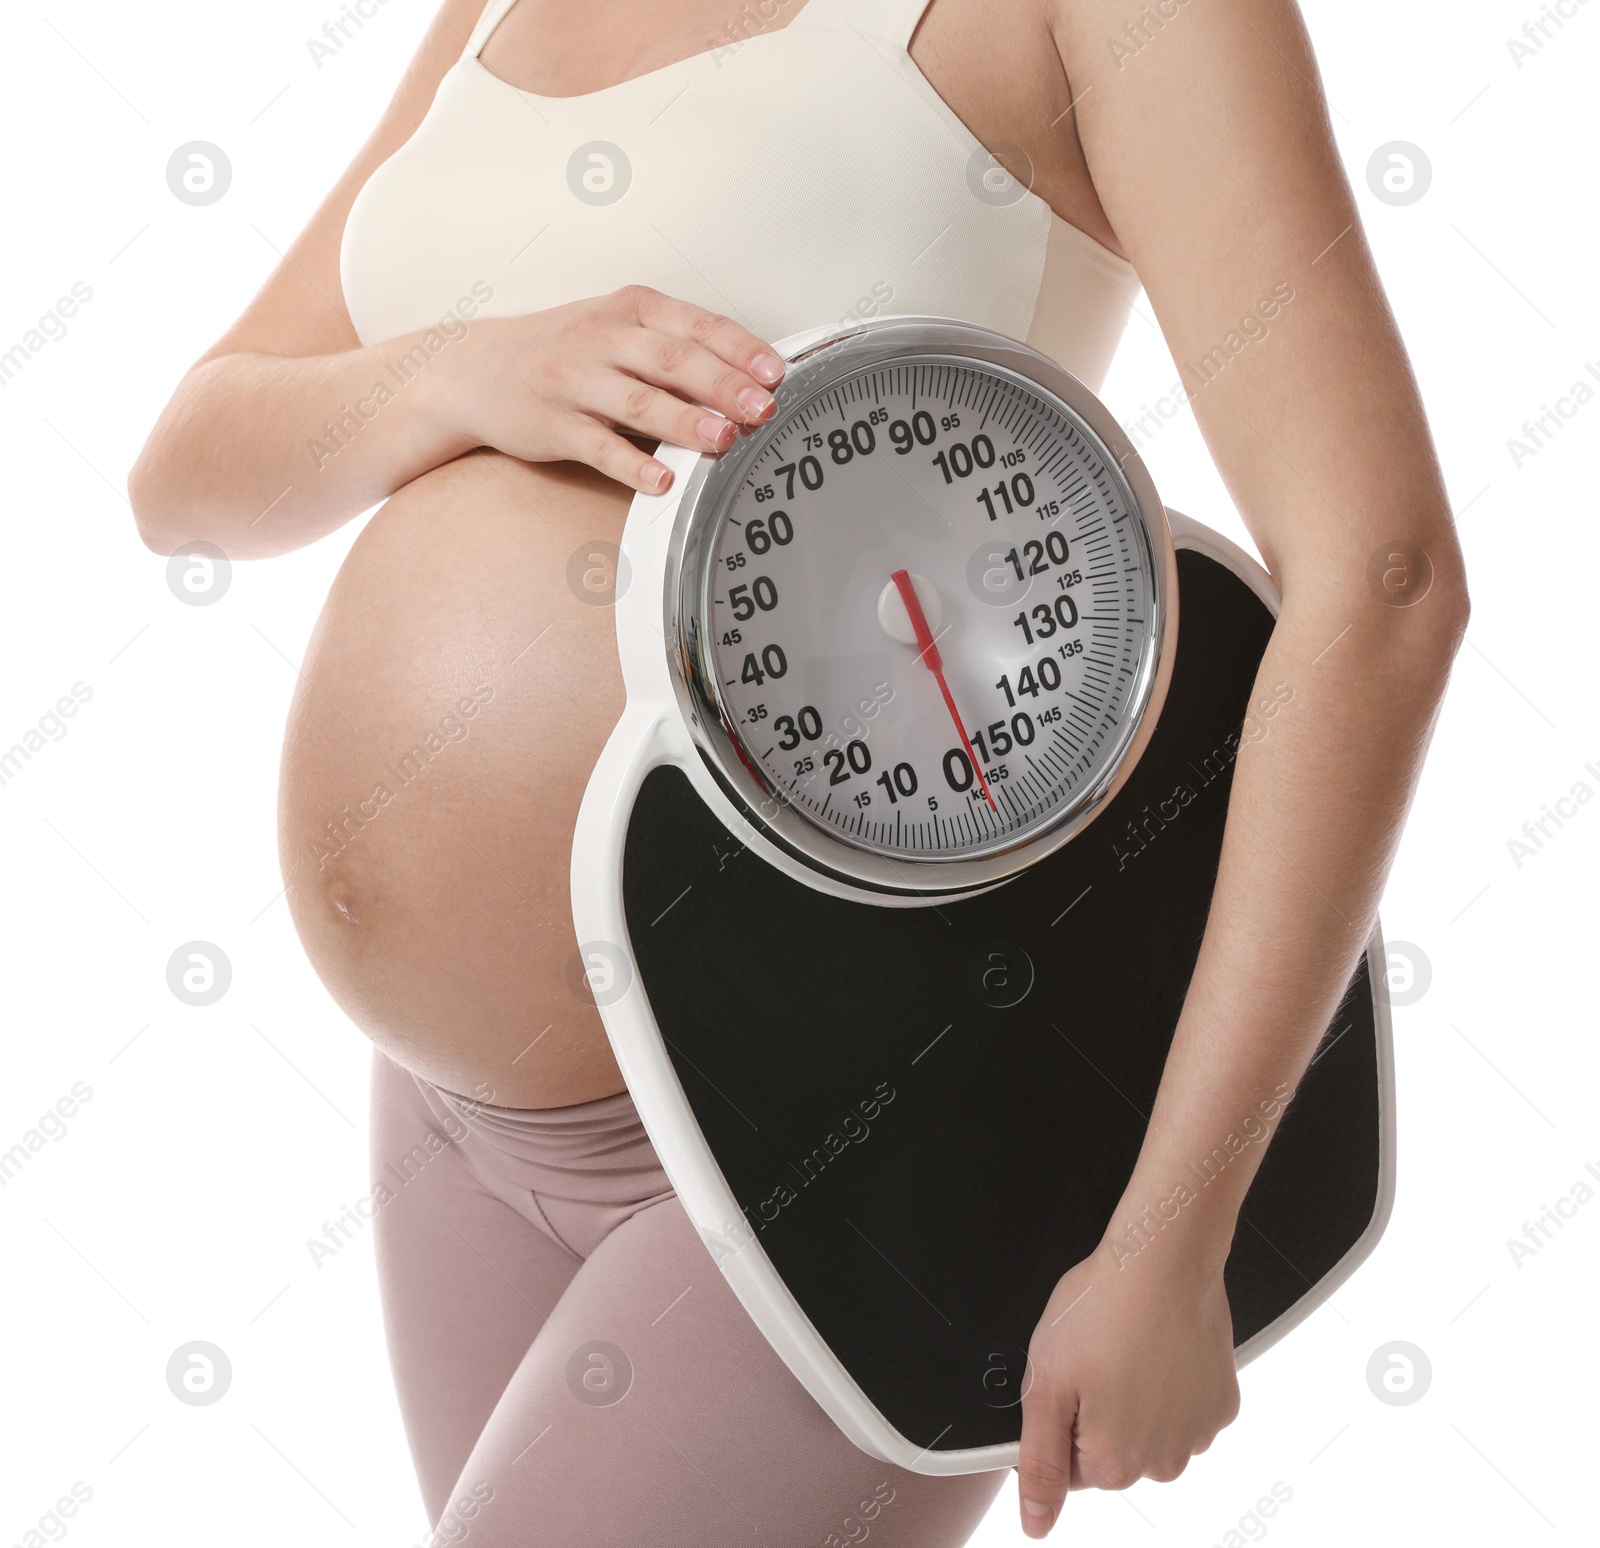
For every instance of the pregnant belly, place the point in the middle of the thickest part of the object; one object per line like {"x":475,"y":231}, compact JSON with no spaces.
{"x":457,"y":691}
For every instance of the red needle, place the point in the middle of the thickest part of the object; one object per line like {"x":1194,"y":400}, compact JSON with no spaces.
{"x":931,"y":659}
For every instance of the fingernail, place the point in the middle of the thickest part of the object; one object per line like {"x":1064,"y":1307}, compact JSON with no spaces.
{"x":767,"y":368}
{"x":715,"y":429}
{"x":1036,"y":1518}
{"x":656,"y":475}
{"x":753,"y":402}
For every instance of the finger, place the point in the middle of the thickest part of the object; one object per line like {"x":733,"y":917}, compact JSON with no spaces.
{"x":692,"y":371}
{"x":721,"y":335}
{"x":1166,"y":1470}
{"x":1106,"y":1471}
{"x":615,"y":398}
{"x":1044,"y":1461}
{"x":584,"y":439}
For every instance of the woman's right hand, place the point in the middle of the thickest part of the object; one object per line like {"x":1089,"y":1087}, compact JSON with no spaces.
{"x":570,"y":383}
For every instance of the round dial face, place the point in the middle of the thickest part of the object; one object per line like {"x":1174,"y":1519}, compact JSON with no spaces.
{"x":929,"y":608}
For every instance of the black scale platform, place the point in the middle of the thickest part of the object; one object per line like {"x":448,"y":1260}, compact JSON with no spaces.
{"x":933,"y":1159}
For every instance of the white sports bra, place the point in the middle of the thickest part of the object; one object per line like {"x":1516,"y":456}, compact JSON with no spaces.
{"x":807,"y":174}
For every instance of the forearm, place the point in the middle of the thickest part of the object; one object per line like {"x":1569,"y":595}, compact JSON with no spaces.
{"x":1320,"y":790}
{"x":260,"y":454}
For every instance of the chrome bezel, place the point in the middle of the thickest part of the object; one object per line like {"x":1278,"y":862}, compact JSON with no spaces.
{"x":715,"y":482}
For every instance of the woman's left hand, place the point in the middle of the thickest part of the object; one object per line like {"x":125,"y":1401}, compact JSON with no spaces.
{"x":1130,"y":1373}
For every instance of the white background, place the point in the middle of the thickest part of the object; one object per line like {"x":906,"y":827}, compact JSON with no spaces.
{"x":178,"y":1204}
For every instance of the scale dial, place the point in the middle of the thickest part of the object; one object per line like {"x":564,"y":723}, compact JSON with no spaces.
{"x":926,"y":606}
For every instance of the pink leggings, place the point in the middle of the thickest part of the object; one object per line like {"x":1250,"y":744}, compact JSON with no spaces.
{"x":572,"y":1369}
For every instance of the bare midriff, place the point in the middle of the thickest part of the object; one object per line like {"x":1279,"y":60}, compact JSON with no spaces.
{"x":463,"y":679}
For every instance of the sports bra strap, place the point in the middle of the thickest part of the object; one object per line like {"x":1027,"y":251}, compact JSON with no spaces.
{"x":493,"y":14}
{"x":895,"y":20}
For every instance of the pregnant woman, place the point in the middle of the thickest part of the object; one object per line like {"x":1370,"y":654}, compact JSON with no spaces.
{"x":577,"y":232}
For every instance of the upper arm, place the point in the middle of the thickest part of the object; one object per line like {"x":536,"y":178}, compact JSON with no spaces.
{"x":1210,"y":148}
{"x":301,"y":308}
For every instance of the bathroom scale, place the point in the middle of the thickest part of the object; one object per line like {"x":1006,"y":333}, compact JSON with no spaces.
{"x":891,"y":878}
